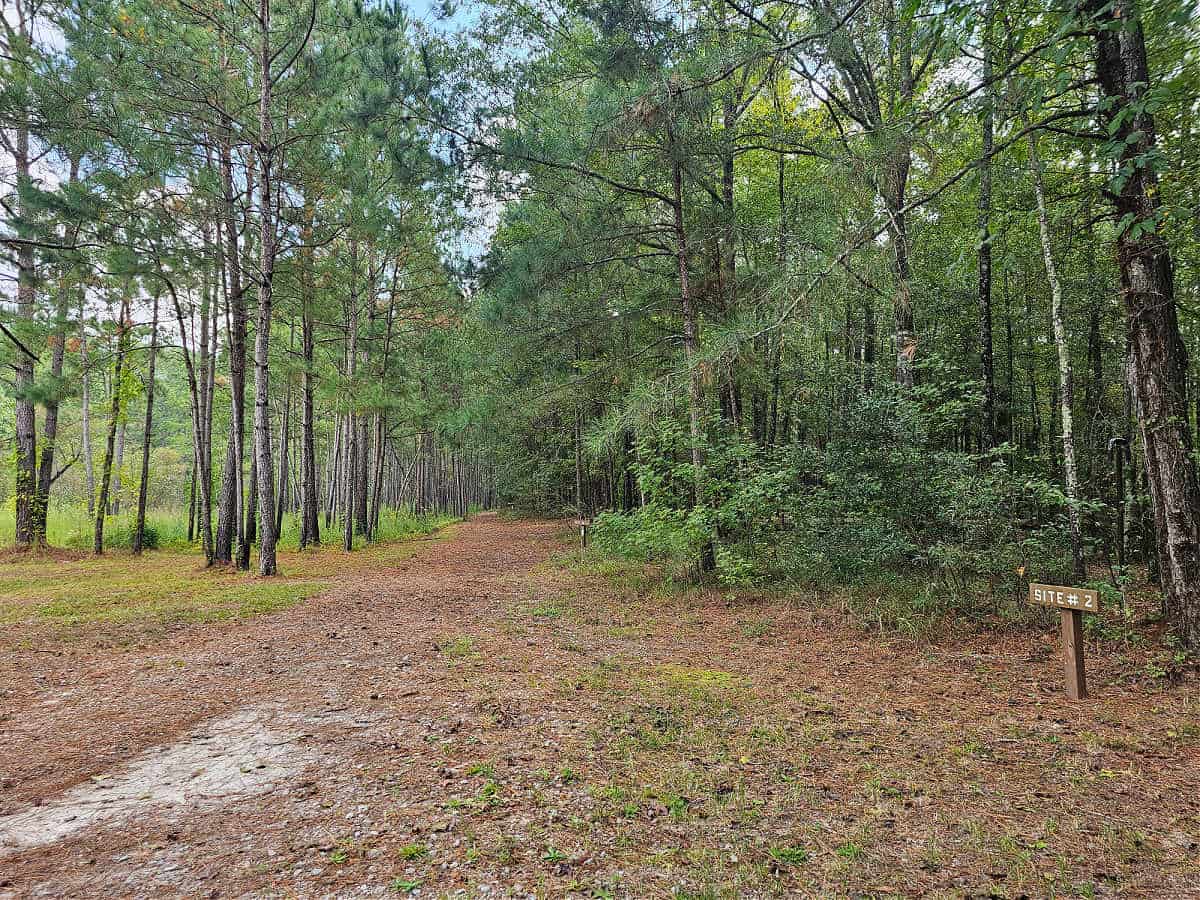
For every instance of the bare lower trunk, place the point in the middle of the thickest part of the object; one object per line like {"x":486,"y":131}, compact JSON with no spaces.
{"x":85,"y":417}
{"x":351,"y":463}
{"x":113,"y":419}
{"x":987,"y":429}
{"x":229,"y":521}
{"x":361,"y":476}
{"x":362,"y":472}
{"x":691,"y":343}
{"x":310,"y":532}
{"x":139,"y":531}
{"x":191,"y":526}
{"x":26,"y":415}
{"x":377,"y":473}
{"x":262,"y":340}
{"x":1066,"y":392}
{"x":352,"y":448}
{"x":335,"y":457}
{"x":115,"y":502}
{"x":284,"y":439}
{"x":46,"y":473}
{"x":691,"y":347}
{"x":227,"y":506}
{"x":251,"y":513}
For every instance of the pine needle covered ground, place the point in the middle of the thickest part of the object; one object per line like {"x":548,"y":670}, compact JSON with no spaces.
{"x":478,"y":714}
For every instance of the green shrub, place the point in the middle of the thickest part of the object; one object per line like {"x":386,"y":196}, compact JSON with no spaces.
{"x":882,"y":501}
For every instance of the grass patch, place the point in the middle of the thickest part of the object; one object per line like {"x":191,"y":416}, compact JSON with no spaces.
{"x":166,"y":529}
{"x":236,"y":602}
{"x":789,"y":857}
{"x":457,"y":647}
{"x":412,"y":851}
{"x":703,"y":685}
{"x":597,"y":563}
{"x":129,"y":597}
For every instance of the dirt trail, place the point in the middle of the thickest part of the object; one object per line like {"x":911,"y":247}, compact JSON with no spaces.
{"x":161,"y":771}
{"x":473,"y":723}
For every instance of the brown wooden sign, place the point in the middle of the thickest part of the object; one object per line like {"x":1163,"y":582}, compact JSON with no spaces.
{"x":1072,"y":603}
{"x":1064,"y":597}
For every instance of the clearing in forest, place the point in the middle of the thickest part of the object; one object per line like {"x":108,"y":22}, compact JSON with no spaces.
{"x":483,"y":714}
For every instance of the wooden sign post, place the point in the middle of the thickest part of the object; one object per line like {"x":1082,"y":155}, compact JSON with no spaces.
{"x":583,"y":525}
{"x":1071,"y":603}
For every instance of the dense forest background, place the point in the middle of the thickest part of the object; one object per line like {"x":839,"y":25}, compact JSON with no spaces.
{"x":830,"y":292}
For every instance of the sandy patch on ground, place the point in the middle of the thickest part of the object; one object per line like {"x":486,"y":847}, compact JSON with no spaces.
{"x":226,"y":758}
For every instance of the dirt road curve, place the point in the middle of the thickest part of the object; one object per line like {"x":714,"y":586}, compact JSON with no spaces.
{"x":199,"y":766}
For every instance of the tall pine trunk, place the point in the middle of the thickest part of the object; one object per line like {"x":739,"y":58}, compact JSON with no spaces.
{"x":202,"y":464}
{"x":201,"y":385}
{"x":23,"y":389}
{"x":895,"y":195}
{"x":284,"y":444}
{"x":352,"y":448}
{"x":229,"y":522}
{"x":139,"y":531}
{"x":987,"y":363}
{"x":46,"y":473}
{"x":691,"y":344}
{"x":310,"y":532}
{"x":113,"y":419}
{"x":262,"y":339}
{"x":85,"y":415}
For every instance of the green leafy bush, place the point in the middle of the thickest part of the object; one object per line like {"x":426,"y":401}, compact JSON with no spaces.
{"x":879,"y":501}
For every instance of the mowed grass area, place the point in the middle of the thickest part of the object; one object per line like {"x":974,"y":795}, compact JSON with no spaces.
{"x":70,"y":527}
{"x":118,"y":598}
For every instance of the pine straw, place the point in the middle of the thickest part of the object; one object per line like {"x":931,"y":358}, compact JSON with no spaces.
{"x":483,"y":720}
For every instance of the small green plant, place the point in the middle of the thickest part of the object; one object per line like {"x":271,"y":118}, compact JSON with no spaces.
{"x":487,"y":798}
{"x":489,"y":795}
{"x":412,"y":851}
{"x":756,"y":629}
{"x":554,"y":855}
{"x":792,"y":857}
{"x":851,"y":851}
{"x":404,"y":885}
{"x":677,"y":806}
